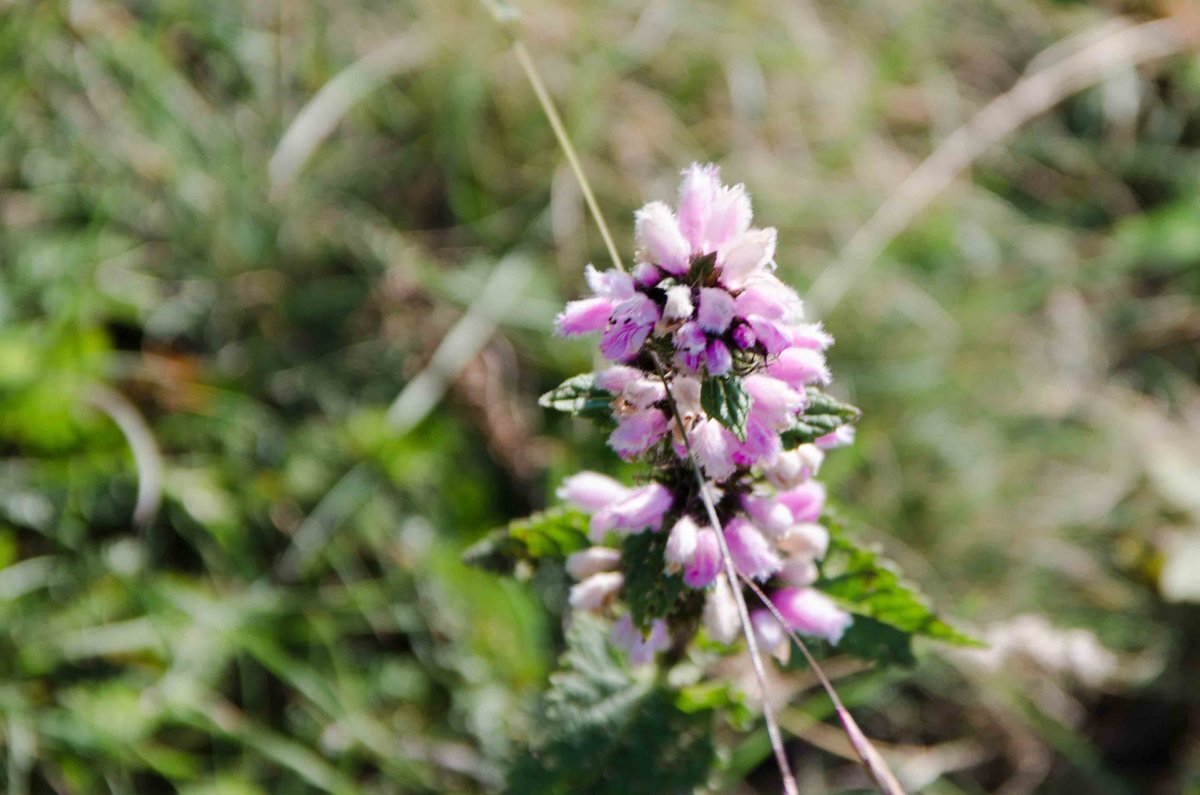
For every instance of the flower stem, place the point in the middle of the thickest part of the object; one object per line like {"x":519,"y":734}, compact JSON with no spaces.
{"x":789,"y":781}
{"x":560,"y":132}
{"x":872,"y":760}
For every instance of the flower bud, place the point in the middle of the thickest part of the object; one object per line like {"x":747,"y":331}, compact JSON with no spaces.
{"x":717,"y":358}
{"x":638,"y":432}
{"x":743,"y":336}
{"x":593,"y":560}
{"x":591,"y":491}
{"x":644,"y":392}
{"x":611,"y":283}
{"x":681,"y":544}
{"x":809,"y":540}
{"x":721,"y":613}
{"x":811,"y":335}
{"x":596,"y":591}
{"x":774,"y":337}
{"x":752,"y":554}
{"x":769,"y":515}
{"x":679,"y":303}
{"x":632,"y":321}
{"x":643,"y":507}
{"x":613,"y":379}
{"x":842,"y":436}
{"x":805,"y":501}
{"x":799,"y":570}
{"x":811,"y":612}
{"x":646,"y":275}
{"x":799,"y":367}
{"x":641,"y":649}
{"x":584,"y":317}
{"x":716,"y":310}
{"x":713,"y":446}
{"x":774,"y":402}
{"x":706,"y":560}
{"x":770,"y":635}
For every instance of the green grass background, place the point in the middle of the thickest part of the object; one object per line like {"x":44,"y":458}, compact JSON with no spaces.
{"x":295,"y":619}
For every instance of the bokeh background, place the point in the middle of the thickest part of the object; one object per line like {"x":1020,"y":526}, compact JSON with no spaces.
{"x":303,"y":258}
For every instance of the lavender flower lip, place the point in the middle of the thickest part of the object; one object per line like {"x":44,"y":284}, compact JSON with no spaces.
{"x":704,"y":312}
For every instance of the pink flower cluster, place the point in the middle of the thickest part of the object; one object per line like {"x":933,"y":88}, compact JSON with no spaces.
{"x":703,"y":303}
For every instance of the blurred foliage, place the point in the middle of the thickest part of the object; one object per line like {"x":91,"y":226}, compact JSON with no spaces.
{"x":888,"y":612}
{"x":601,"y":722}
{"x":550,"y":535}
{"x":296,"y":618}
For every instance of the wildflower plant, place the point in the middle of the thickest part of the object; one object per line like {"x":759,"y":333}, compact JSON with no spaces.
{"x":707,"y":355}
{"x":714,"y":381}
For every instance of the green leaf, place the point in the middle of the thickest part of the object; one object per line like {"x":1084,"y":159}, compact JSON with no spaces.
{"x":555,"y":533}
{"x":726,"y":400}
{"x":717,"y":694}
{"x":579,"y":396}
{"x":868,"y":639}
{"x":887,"y":611}
{"x":649,"y":592}
{"x":819,"y":403}
{"x":823,"y":414}
{"x":604,"y":731}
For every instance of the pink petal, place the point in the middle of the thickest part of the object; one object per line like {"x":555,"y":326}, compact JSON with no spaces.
{"x":839,"y":438}
{"x":800,"y":367}
{"x":641,"y":649}
{"x":611,"y":283}
{"x":706,"y":561}
{"x":681,"y":544}
{"x":799,"y":570}
{"x":638,"y":432}
{"x":632,"y":321}
{"x":596,"y":591}
{"x":812,"y":613}
{"x":591,"y":491}
{"x":584,"y":317}
{"x":771,"y":516}
{"x":772,"y":400}
{"x":646,"y":274}
{"x":642,"y":509}
{"x":713,"y":446}
{"x":716,"y":310}
{"x":755,"y":300}
{"x":751,"y":552}
{"x":807,"y":540}
{"x":811,"y":335}
{"x":746,"y":255}
{"x":721,"y":620}
{"x":717,"y":359}
{"x":774,"y":337}
{"x":679,"y":303}
{"x":593,"y":560}
{"x":613,"y":379}
{"x":729,"y":217}
{"x":770,"y":634}
{"x":696,"y":195}
{"x":690,"y":337}
{"x":761,"y":444}
{"x":657,"y":231}
{"x":806,"y":501}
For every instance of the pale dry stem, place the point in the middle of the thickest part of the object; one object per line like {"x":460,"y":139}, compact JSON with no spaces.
{"x":1081,"y":67}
